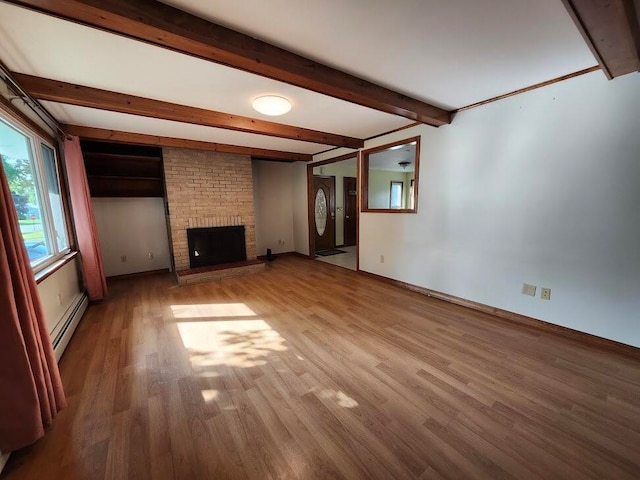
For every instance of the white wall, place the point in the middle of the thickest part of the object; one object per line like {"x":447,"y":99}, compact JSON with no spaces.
{"x":300,"y":208}
{"x":339,"y":170}
{"x":58,"y":293}
{"x":542,"y":188}
{"x":273,"y":197}
{"x":132,"y":227}
{"x":380,"y":187}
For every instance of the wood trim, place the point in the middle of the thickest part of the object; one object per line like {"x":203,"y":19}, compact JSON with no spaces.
{"x":166,"y":26}
{"x":311,"y":199}
{"x":586,"y":37}
{"x":523,"y":320}
{"x":359,"y":208}
{"x":527,"y":89}
{"x":284,"y":254}
{"x":21,"y":116}
{"x":365,"y":177}
{"x":411,"y":125}
{"x":139,"y":274}
{"x":121,"y":156}
{"x":325,"y":151}
{"x":337,"y":159}
{"x":49,"y":270}
{"x":611,"y":30}
{"x":310,"y":217}
{"x":117,"y":136}
{"x":72,"y":94}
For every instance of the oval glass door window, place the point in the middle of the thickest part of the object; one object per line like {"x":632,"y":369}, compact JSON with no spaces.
{"x":321,"y":211}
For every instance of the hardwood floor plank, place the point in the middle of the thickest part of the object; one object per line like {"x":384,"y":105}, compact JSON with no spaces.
{"x":309,"y":371}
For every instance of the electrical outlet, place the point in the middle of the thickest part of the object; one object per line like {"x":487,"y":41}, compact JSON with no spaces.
{"x":545,"y":293}
{"x":59,"y":298}
{"x":529,"y":289}
{"x":381,"y":258}
{"x":123,"y":259}
{"x":150,"y":256}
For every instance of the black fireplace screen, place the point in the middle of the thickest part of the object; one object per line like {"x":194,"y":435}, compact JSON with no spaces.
{"x":216,"y":245}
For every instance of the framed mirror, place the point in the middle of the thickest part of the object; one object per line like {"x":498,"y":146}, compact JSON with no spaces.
{"x":390,"y":177}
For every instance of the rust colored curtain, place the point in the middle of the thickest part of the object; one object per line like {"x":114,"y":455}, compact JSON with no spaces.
{"x":85,"y":222}
{"x":30,"y":388}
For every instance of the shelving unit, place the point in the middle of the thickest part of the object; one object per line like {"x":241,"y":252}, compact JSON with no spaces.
{"x":119,"y":170}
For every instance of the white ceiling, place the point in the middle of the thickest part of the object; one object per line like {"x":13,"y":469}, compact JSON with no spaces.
{"x":73,"y":114}
{"x":450,"y":53}
{"x":388,"y":159}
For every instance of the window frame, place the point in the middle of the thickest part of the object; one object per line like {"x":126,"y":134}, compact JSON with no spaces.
{"x":37,"y":140}
{"x":364,"y":168}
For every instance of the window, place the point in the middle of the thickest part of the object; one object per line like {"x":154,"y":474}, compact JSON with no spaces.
{"x":390,"y":177}
{"x":395,"y":196}
{"x":31,"y":168}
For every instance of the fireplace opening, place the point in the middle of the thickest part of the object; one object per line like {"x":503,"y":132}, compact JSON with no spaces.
{"x":216,"y":245}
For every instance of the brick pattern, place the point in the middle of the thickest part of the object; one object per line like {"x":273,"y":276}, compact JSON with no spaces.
{"x":207,"y":189}
{"x":219,"y":274}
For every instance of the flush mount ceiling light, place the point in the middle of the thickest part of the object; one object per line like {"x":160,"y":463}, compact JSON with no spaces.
{"x":404,"y":164}
{"x":272,"y":105}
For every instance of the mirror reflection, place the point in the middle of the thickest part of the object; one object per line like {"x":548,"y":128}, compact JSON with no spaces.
{"x":390,"y":183}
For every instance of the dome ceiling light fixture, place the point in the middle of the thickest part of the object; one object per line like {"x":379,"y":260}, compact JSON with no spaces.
{"x":272,"y":105}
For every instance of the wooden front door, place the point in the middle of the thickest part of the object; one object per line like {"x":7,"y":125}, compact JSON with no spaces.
{"x":350,"y":210}
{"x":324,"y":198}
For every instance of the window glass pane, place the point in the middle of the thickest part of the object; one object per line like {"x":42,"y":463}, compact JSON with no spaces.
{"x":17,"y":161}
{"x":55,"y":197}
{"x":396,"y":195}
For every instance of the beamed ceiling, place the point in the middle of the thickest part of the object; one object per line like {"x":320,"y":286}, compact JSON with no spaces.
{"x":186,"y":70}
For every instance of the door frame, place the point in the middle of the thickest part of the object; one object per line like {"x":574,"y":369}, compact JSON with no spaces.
{"x":311,"y":201}
{"x":345,"y":199}
{"x":331,"y":204}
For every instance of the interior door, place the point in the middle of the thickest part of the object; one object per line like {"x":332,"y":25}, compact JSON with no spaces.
{"x":350,"y":210}
{"x":324,"y":211}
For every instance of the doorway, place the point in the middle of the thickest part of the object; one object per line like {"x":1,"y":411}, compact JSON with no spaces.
{"x":333,"y":211}
{"x":350,"y":189}
{"x":324,"y":194}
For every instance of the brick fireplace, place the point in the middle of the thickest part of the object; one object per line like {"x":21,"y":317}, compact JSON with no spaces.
{"x":207,"y":189}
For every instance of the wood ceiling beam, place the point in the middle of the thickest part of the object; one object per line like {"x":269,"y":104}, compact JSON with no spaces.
{"x":62,"y":92}
{"x":611,"y":29}
{"x":92,"y":133}
{"x":166,"y":26}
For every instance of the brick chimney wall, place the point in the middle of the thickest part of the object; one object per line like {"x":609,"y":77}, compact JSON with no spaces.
{"x":207,"y":189}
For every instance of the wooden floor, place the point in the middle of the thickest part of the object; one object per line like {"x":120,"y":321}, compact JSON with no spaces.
{"x":311,"y":371}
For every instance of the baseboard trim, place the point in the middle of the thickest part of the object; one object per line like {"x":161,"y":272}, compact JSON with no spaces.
{"x":522,"y":320}
{"x":284,"y":254}
{"x":71,"y":323}
{"x":139,"y":274}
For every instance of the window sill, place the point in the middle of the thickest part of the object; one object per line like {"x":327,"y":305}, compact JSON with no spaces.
{"x":49,"y":270}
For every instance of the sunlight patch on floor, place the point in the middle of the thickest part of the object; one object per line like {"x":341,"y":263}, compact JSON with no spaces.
{"x":230,"y":343}
{"x":341,"y":398}
{"x":210,"y":395}
{"x":212,"y":310}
